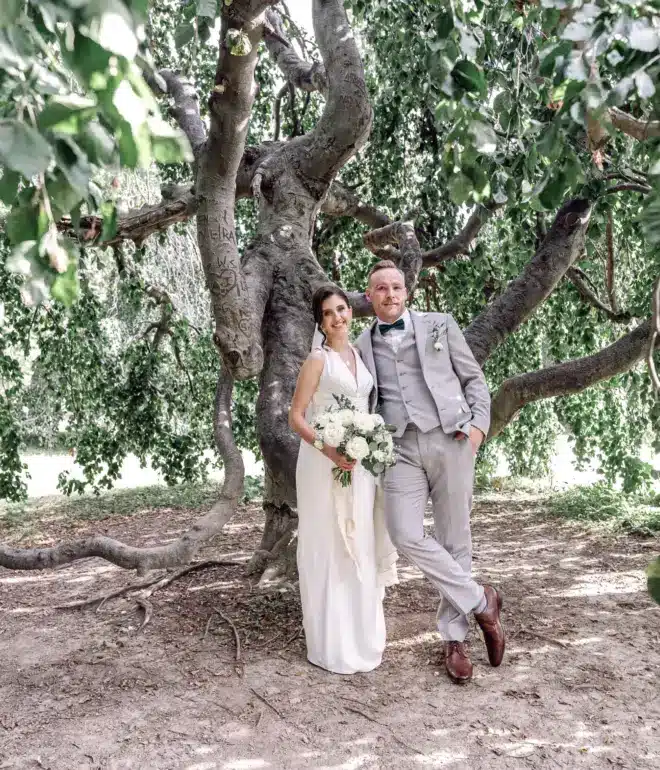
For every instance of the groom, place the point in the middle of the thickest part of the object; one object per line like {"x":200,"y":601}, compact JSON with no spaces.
{"x":429,"y":386}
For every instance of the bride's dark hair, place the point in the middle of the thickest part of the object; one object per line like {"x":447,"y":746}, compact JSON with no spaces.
{"x":320,"y":296}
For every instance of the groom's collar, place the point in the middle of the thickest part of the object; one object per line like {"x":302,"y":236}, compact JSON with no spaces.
{"x":407,"y":320}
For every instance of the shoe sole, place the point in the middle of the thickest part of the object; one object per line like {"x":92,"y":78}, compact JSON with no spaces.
{"x":499,"y":610}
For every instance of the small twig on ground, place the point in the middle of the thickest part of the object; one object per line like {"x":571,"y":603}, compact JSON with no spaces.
{"x":261,"y":645}
{"x":292,"y":639}
{"x":267,"y":702}
{"x":157,"y":582}
{"x":148,"y":612}
{"x":545,"y":638}
{"x":102,"y":598}
{"x":392,"y":733}
{"x":237,"y":638}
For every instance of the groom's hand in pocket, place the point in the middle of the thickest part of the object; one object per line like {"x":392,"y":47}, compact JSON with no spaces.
{"x":475,"y":438}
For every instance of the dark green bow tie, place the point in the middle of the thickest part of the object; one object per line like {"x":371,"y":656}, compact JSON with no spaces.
{"x":385,"y":328}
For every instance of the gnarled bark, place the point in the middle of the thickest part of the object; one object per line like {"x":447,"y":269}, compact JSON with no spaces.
{"x":637,"y":129}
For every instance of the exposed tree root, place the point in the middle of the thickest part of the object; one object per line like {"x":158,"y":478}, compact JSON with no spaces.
{"x":154,"y":584}
{"x":148,"y":612}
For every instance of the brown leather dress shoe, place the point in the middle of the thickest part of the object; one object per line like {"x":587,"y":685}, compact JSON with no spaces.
{"x":457,"y":662}
{"x":489,"y":622}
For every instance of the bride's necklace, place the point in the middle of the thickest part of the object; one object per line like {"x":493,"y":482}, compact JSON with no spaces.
{"x":346,"y":356}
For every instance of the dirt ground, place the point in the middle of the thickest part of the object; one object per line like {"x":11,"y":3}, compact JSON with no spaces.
{"x":579,"y":687}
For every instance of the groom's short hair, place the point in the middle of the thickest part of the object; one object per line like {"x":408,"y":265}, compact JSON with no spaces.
{"x":384,"y":264}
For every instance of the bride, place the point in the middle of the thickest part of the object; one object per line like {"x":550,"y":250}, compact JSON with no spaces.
{"x":345,"y":557}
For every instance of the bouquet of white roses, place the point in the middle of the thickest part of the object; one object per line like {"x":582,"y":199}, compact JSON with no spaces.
{"x":361,"y":436}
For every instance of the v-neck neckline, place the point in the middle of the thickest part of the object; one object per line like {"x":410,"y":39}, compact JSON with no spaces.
{"x":354,"y":377}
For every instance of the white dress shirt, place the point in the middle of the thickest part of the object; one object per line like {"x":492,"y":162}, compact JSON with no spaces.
{"x":394,"y":337}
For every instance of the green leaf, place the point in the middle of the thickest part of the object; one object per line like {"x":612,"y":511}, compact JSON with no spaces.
{"x":23,"y":149}
{"x":485,"y":139}
{"x":109,"y":214}
{"x":66,"y":287}
{"x":10,"y":10}
{"x":653,"y":579}
{"x":66,"y":114}
{"x":74,"y":165}
{"x":168,"y":145}
{"x":207,"y":8}
{"x":22,"y":258}
{"x":553,"y":193}
{"x":28,"y":222}
{"x":9,"y":186}
{"x":460,"y":188}
{"x":547,"y":66}
{"x":469,"y":77}
{"x":97,"y":143}
{"x":550,"y":143}
{"x":63,"y":195}
{"x":183,"y":34}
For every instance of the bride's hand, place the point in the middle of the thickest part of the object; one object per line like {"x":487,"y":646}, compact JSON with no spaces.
{"x":338,"y":459}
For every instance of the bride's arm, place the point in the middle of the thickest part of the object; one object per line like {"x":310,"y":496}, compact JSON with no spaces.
{"x":308,"y":382}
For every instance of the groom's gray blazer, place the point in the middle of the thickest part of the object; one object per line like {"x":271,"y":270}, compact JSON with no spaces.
{"x":450,"y":371}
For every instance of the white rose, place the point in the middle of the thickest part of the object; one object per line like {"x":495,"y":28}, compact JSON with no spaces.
{"x":377,"y":420}
{"x":357,"y":448}
{"x":322,"y":420}
{"x":333,"y":434}
{"x":363,"y":422}
{"x":379,"y":456}
{"x":344,"y":416}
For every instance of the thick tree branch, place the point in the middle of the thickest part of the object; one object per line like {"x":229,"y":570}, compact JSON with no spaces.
{"x":460,"y":243}
{"x":410,"y":256}
{"x":559,"y":249}
{"x":567,"y":378}
{"x":592,"y":298}
{"x":341,"y":202}
{"x":173,"y":554}
{"x":308,"y":76}
{"x":637,"y":129}
{"x":230,"y":105}
{"x":186,"y":106}
{"x":346,"y":120}
{"x":628,"y":187}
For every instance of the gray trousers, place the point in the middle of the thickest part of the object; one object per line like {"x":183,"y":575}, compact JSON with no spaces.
{"x":436,"y":465}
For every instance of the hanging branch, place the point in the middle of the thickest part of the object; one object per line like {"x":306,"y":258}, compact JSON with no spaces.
{"x":609,"y":273}
{"x":655,"y":336}
{"x":590,"y":296}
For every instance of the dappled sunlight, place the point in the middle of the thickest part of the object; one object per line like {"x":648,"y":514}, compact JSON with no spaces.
{"x":411,"y":641}
{"x":441,"y":759}
{"x":245,"y":764}
{"x":602,"y":583}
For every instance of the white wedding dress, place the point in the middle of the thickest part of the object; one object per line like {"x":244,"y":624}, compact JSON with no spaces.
{"x":345,"y":558}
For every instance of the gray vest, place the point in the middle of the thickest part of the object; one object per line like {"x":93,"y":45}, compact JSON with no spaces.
{"x":403,"y":395}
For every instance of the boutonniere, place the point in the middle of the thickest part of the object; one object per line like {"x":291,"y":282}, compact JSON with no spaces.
{"x":436,"y":332}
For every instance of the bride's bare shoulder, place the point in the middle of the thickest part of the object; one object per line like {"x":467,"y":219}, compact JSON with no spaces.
{"x":317,"y":354}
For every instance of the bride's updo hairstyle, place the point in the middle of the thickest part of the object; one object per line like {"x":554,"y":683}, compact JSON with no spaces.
{"x":320,"y":296}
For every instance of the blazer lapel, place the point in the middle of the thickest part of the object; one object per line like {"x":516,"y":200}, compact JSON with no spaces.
{"x":421,"y":333}
{"x":368,"y":348}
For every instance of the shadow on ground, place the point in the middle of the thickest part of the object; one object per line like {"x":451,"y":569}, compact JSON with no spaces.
{"x":579,"y":687}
